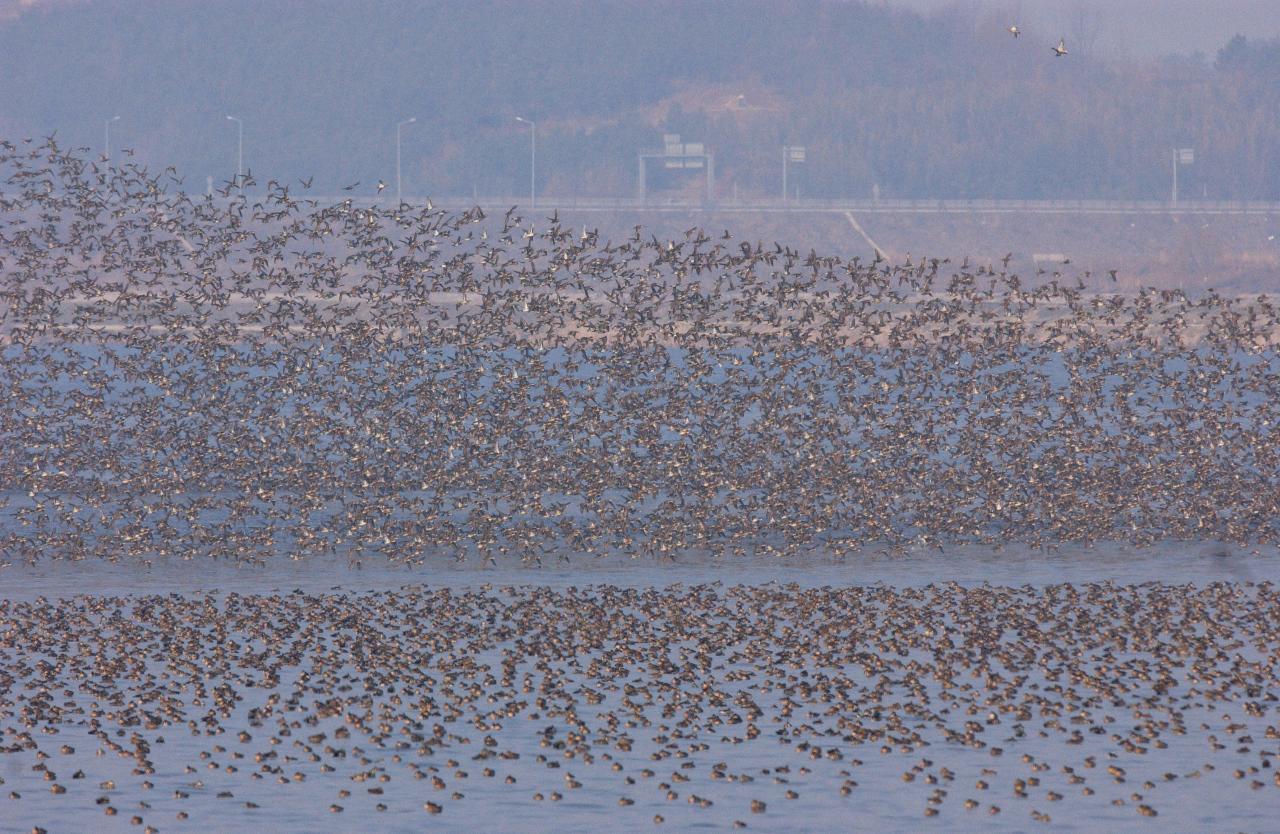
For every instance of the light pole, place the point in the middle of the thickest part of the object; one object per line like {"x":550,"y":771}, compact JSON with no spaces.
{"x":785,"y":151}
{"x":533,"y":159}
{"x":239,"y":151}
{"x":400,"y":199}
{"x":106,"y":138}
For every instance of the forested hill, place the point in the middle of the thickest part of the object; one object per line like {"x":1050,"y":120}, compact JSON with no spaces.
{"x":939,"y":106}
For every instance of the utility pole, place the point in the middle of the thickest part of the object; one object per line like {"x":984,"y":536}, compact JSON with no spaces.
{"x":239,"y":152}
{"x":399,"y":197}
{"x":533,"y":159}
{"x":106,"y":138}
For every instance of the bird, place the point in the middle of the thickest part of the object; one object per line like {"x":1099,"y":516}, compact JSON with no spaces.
{"x":1061,"y":49}
{"x":1014,"y":30}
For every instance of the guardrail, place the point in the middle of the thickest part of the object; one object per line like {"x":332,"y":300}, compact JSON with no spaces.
{"x":925,"y":206}
{"x":549,"y":203}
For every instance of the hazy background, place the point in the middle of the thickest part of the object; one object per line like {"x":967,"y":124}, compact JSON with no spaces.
{"x":1130,"y":28}
{"x":921,"y":98}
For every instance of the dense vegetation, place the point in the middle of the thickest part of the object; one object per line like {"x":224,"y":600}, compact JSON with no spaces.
{"x":919,"y":106}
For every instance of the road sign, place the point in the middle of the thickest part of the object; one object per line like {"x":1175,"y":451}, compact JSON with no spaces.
{"x":679,"y":155}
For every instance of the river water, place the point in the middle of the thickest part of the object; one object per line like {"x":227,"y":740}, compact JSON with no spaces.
{"x":224,"y":782}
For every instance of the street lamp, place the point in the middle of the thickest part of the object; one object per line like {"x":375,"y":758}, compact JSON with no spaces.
{"x":106,"y":138}
{"x":239,"y":152}
{"x":399,"y":125}
{"x":533,"y":159}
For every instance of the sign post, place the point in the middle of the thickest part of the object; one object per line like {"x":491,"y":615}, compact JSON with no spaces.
{"x":790,"y":154}
{"x":1181,"y":156}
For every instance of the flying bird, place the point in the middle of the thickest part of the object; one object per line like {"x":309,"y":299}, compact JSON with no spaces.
{"x":1061,"y":48}
{"x":1014,"y":30}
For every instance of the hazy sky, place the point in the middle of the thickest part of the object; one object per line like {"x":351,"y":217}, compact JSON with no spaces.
{"x":1123,"y":28}
{"x":1136,"y":28}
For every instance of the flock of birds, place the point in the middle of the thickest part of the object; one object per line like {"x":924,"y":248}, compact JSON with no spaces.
{"x":259,"y":378}
{"x":1059,"y":51}
{"x":773,"y":706}
{"x":252,"y":377}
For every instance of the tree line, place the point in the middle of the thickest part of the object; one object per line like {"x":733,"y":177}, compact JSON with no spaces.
{"x":884,"y":100}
